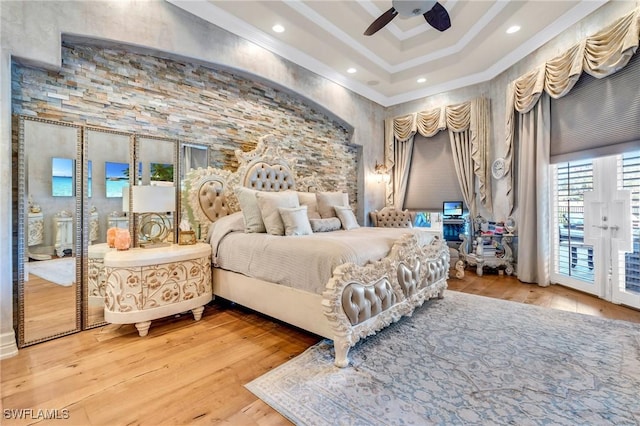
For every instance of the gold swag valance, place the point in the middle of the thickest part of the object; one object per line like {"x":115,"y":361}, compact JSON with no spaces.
{"x":599,"y":55}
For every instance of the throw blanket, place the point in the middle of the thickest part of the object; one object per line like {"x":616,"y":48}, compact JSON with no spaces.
{"x":303,"y":262}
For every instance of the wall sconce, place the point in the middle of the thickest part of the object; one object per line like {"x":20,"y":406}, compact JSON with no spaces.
{"x":382,"y":172}
{"x":153,"y":202}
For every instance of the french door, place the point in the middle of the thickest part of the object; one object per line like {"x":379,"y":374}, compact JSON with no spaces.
{"x":595,"y":243}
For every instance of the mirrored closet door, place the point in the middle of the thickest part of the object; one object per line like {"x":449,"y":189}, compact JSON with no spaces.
{"x":49,"y":234}
{"x":191,"y":157}
{"x":154,"y":195}
{"x":108,"y":176}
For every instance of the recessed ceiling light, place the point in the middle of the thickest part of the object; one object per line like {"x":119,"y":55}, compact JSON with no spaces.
{"x":513,"y":29}
{"x":352,"y":70}
{"x":278,"y":28}
{"x":421,"y":80}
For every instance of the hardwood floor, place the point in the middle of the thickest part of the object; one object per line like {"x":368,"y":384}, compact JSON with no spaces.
{"x":187,"y":372}
{"x":49,"y":308}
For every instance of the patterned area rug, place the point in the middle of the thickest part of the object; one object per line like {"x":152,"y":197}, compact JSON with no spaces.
{"x":469,"y":360}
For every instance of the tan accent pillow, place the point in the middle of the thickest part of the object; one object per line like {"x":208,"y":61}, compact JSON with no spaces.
{"x":269,"y":202}
{"x":295,"y":220}
{"x":253,"y":222}
{"x":326,"y":201}
{"x":347,"y":218}
{"x":309,"y":199}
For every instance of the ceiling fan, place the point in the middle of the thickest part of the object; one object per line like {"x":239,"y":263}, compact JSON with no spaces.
{"x":435,"y":14}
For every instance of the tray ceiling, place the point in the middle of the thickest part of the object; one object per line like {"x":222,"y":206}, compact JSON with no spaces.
{"x":327,"y":38}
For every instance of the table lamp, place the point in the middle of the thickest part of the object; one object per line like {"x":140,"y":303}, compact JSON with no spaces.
{"x":153,"y":202}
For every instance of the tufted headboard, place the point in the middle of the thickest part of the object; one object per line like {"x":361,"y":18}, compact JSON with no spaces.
{"x":210,"y":192}
{"x":390,"y":217}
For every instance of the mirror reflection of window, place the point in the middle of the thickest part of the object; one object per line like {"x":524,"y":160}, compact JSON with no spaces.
{"x":117,"y":176}
{"x":194,"y":156}
{"x":62,"y":177}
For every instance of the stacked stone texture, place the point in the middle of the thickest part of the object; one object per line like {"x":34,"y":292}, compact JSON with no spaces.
{"x":150,"y":95}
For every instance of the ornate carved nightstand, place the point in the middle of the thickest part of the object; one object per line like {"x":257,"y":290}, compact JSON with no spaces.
{"x":147,"y":284}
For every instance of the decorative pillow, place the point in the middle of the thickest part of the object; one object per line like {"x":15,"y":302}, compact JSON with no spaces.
{"x":249,"y":205}
{"x":326,"y":201}
{"x":295,"y":220}
{"x":347,"y":218}
{"x":325,"y":225}
{"x":309,"y":199}
{"x":268,"y":202}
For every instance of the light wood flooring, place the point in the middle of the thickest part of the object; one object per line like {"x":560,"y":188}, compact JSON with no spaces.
{"x":48,"y":308}
{"x":187,"y":372}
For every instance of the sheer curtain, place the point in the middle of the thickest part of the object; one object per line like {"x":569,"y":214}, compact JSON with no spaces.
{"x":402,"y":161}
{"x":599,"y":55}
{"x":461,"y":148}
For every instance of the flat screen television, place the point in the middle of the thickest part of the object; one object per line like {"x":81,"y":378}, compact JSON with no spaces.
{"x":452,"y":208}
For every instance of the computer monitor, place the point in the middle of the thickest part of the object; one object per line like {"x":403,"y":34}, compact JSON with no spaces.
{"x":452,"y":208}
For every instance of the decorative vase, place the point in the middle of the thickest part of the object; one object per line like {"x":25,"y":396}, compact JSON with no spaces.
{"x":111,"y":237}
{"x":123,"y":239}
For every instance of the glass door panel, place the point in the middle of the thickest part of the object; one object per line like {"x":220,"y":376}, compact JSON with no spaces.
{"x":596,"y":237}
{"x":573,"y":259}
{"x":626,"y":271}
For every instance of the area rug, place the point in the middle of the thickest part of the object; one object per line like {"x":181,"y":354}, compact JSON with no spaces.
{"x":59,"y":271}
{"x":469,"y":360}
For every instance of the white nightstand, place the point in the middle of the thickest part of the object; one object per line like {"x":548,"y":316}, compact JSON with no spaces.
{"x":147,"y":284}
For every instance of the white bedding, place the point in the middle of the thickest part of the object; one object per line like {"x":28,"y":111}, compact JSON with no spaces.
{"x":304,"y":262}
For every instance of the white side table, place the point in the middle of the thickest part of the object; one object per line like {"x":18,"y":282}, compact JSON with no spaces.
{"x":480,"y":262}
{"x":117,"y":220}
{"x":35,"y":228}
{"x":63,"y":229}
{"x":147,"y":284}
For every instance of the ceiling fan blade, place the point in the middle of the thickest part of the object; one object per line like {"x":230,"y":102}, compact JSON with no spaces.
{"x":438,"y":17}
{"x":382,"y":20}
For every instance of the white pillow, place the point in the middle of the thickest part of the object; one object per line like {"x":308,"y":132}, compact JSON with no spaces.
{"x":347,"y":218}
{"x":326,"y":201}
{"x":249,"y":205}
{"x":295,"y":220}
{"x":325,"y":225}
{"x":309,"y":199}
{"x":268,"y":202}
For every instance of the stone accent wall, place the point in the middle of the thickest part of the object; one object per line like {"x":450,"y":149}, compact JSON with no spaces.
{"x":145,"y":94}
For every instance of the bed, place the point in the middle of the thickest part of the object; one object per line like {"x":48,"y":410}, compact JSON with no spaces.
{"x":343,"y":284}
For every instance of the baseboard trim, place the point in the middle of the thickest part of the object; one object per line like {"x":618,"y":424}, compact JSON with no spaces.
{"x":8,"y":347}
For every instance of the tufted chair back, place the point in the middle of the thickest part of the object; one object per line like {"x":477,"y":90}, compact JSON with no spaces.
{"x":390,"y":217}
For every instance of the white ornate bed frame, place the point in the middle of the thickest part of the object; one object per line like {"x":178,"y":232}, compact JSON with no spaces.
{"x":358,"y":301}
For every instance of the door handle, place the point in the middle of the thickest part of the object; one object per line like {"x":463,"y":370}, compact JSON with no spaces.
{"x":614,"y":227}
{"x":605,"y":227}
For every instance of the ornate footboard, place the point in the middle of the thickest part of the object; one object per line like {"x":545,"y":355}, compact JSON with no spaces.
{"x":361,"y":300}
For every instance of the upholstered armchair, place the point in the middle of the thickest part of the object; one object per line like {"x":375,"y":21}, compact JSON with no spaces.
{"x":390,"y":217}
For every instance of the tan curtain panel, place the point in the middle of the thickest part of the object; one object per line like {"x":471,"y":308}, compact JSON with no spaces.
{"x":472,"y":116}
{"x":480,"y":133}
{"x":599,"y":55}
